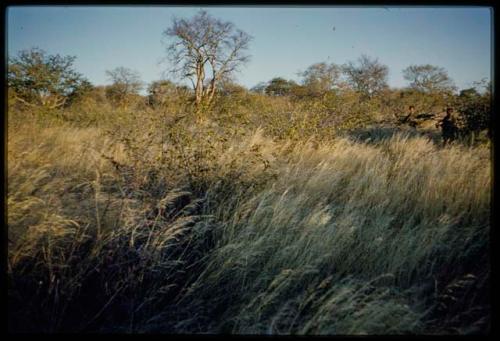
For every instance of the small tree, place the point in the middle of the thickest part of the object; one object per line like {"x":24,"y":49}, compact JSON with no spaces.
{"x":231,"y":88}
{"x":44,"y":80}
{"x":260,"y":88}
{"x":205,"y":46}
{"x":428,"y":78}
{"x":475,"y":109}
{"x":280,"y":87}
{"x":369,"y":77}
{"x":321,"y":77}
{"x":160,"y":91}
{"x":126,"y":83}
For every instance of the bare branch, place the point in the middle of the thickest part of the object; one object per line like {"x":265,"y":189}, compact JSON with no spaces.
{"x":205,"y":45}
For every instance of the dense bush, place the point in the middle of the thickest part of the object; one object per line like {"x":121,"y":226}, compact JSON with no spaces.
{"x":476,"y":112}
{"x":181,"y":229}
{"x":39,"y":79}
{"x":272,"y":215}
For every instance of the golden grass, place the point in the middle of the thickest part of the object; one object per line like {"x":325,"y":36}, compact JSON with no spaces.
{"x":340,"y":237}
{"x":405,"y":209}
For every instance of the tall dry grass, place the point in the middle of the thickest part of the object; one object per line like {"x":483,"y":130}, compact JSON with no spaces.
{"x":82,"y":243}
{"x":340,"y":237}
{"x":354,"y":238}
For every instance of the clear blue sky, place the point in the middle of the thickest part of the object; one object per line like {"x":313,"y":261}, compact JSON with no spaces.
{"x":285,"y":39}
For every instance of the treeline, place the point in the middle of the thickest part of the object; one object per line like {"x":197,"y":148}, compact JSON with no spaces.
{"x":207,"y":52}
{"x":342,"y":96}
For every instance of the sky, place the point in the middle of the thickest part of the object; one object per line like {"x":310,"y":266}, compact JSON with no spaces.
{"x":286,"y":40}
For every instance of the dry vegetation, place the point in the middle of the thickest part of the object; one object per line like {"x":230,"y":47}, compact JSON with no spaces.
{"x":138,"y":221}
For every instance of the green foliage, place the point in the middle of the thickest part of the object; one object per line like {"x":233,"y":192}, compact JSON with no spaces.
{"x":475,"y":109}
{"x":38,"y":79}
{"x":280,"y":87}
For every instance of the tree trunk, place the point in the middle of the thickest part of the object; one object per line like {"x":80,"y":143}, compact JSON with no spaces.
{"x":200,"y":77}
{"x":212,"y":91}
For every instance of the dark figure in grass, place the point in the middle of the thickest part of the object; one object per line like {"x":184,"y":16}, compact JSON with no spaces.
{"x":409,"y":119}
{"x":448,"y":127}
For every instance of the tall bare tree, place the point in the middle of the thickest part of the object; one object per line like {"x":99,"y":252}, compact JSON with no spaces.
{"x":204,"y":50}
{"x":369,"y":76}
{"x":428,"y":78}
